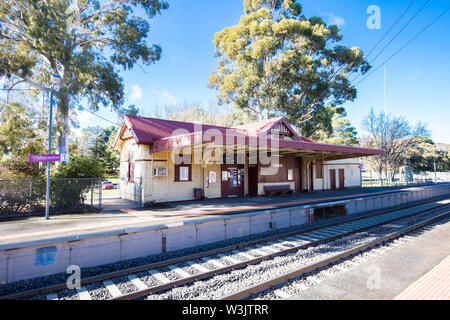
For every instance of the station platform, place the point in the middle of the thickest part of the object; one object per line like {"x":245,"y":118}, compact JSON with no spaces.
{"x":72,"y":225}
{"x":435,"y":285}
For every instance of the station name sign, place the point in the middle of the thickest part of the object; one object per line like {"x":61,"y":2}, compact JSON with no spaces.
{"x":44,"y":158}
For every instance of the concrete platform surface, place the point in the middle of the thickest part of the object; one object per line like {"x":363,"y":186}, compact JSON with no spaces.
{"x":397,"y":269}
{"x":435,"y":285}
{"x":36,"y":228}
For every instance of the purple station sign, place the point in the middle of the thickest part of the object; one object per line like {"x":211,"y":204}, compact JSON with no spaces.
{"x":44,"y":158}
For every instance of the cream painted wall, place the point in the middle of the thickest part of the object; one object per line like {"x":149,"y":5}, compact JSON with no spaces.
{"x":352,"y":174}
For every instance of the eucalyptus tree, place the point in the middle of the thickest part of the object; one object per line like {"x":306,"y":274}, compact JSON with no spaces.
{"x":85,"y":42}
{"x":276,"y":61}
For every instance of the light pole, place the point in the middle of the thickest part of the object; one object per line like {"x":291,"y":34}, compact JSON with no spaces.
{"x":55,"y":79}
{"x":434,"y":157}
{"x":406,"y":168}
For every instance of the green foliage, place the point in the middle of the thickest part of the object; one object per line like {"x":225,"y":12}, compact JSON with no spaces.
{"x":275,"y":61}
{"x":21,"y":196}
{"x":83,"y":41}
{"x":20,"y":168}
{"x":422,"y":155}
{"x":224,"y":116}
{"x":96,"y":142}
{"x":19,"y":131}
{"x":80,"y":167}
{"x":332,"y":127}
{"x":69,"y":194}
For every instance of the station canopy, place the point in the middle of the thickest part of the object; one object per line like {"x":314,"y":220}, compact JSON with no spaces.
{"x":163,"y":135}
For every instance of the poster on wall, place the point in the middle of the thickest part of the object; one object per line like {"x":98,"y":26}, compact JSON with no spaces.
{"x":212,"y":177}
{"x":224,"y":175}
{"x":241,"y":176}
{"x":233,"y":178}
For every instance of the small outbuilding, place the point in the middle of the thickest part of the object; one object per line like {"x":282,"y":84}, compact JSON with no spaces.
{"x":164,"y":161}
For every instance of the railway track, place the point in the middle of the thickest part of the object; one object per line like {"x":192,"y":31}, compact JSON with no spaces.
{"x":276,"y":281}
{"x":158,"y":277}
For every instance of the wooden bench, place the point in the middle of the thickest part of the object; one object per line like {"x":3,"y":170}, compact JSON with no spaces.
{"x":278,"y":189}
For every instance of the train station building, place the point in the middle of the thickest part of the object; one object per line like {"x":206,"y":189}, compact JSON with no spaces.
{"x":165,"y":161}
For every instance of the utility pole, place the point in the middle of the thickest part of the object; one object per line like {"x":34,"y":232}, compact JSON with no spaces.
{"x":435,"y":173}
{"x":50,"y":117}
{"x":385,"y":91}
{"x":406,"y":169}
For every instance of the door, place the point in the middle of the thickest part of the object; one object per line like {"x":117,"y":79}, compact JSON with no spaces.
{"x":298,"y":175}
{"x":232,"y":177}
{"x":253,"y":181}
{"x":341,"y":178}
{"x":332,"y":179}
{"x":311,"y":177}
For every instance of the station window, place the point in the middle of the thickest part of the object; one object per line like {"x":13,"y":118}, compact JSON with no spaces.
{"x":319,"y":171}
{"x":290,"y":174}
{"x":131,"y":168}
{"x":183,"y":172}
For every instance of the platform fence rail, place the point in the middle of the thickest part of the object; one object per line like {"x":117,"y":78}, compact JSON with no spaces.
{"x":372,"y":179}
{"x":24,"y":197}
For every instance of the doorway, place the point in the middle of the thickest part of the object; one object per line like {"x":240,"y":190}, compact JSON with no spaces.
{"x":233,"y":179}
{"x":298,"y":175}
{"x":341,"y":179}
{"x":253,"y":181}
{"x":332,"y":179}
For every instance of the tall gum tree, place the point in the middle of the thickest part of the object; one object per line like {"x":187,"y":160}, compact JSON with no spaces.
{"x":275,"y":61}
{"x":83,"y":41}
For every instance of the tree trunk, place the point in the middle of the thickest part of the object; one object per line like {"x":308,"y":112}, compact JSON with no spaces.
{"x":63,"y":126}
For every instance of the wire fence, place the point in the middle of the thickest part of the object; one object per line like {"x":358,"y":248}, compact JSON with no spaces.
{"x":28,"y":196}
{"x":372,"y":179}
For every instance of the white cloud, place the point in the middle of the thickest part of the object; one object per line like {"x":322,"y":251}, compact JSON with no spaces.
{"x":166,"y":97}
{"x":334,"y":19}
{"x":136,"y":93}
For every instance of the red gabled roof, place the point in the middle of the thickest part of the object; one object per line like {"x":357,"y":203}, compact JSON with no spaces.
{"x":257,"y":128}
{"x":167,"y":134}
{"x":146,"y":130}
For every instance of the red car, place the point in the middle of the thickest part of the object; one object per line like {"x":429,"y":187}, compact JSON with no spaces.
{"x":108,"y":185}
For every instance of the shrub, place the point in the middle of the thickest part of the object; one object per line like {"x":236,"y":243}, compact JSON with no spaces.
{"x":17,"y":198}
{"x":71,"y":182}
{"x":80,"y":167}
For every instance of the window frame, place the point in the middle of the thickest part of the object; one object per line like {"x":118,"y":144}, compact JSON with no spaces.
{"x":319,"y":169}
{"x":177,"y":168}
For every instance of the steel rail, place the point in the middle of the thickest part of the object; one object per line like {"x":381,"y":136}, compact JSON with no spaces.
{"x":133,"y":270}
{"x":172,"y":284}
{"x":332,"y":260}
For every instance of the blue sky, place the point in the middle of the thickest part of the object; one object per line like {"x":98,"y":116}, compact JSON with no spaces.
{"x":418,"y":78}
